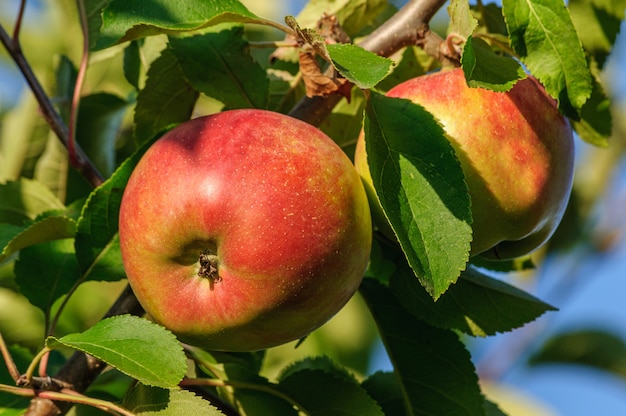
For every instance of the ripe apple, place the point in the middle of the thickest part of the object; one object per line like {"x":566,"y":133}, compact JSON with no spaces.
{"x":516,"y":151}
{"x":244,"y":230}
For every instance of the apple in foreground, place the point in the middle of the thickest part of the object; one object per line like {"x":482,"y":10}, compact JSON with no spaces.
{"x":244,"y":230}
{"x":516,"y":151}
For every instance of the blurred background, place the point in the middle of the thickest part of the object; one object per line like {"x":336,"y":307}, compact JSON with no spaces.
{"x":571,"y":362}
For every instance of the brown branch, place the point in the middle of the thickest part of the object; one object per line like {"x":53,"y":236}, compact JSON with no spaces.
{"x":81,"y":163}
{"x":409,"y":26}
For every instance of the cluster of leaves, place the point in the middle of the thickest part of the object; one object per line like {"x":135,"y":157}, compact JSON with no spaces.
{"x":198,"y":57}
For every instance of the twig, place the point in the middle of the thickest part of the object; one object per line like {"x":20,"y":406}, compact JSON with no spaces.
{"x":18,"y":23}
{"x":80,"y":78}
{"x":8,"y":359}
{"x":84,"y":165}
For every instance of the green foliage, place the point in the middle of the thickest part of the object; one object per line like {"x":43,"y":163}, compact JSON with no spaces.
{"x":134,"y":346}
{"x":434,"y":370}
{"x":592,"y":347}
{"x":543,"y":35}
{"x":416,"y":196}
{"x":218,"y":64}
{"x":147,"y":401}
{"x":362,"y":68}
{"x":169,"y":61}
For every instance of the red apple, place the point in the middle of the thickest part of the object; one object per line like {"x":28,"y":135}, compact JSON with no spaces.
{"x":244,"y":230}
{"x":516,"y":151}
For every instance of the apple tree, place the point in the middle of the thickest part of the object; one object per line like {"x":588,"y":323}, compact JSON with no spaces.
{"x":107,"y":80}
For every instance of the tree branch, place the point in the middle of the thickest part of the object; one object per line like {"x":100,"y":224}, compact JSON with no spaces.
{"x":409,"y":26}
{"x":81,"y":162}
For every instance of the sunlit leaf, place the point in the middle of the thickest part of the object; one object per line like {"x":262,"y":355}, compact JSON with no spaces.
{"x":543,"y":35}
{"x":124,"y":20}
{"x":14,"y":238}
{"x":133,"y":345}
{"x":154,"y":401}
{"x":166,"y":99}
{"x":363,"y":68}
{"x":485,"y":69}
{"x":421,"y":187}
{"x":24,"y":199}
{"x":218,"y":63}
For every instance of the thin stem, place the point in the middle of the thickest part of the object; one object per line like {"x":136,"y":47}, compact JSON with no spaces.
{"x":283,"y":28}
{"x":80,"y":79}
{"x":18,"y":23}
{"x":243,"y":385}
{"x":28,"y":375}
{"x":8,"y":359}
{"x":52,"y":117}
{"x":273,"y":44}
{"x":77,"y":398}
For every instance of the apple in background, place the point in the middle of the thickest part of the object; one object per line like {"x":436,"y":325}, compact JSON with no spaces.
{"x":516,"y":151}
{"x":244,"y":230}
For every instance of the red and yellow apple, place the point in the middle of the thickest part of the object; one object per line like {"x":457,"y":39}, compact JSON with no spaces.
{"x":244,"y":230}
{"x":516,"y":151}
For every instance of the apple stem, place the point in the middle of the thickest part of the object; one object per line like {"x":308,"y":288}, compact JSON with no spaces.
{"x":209,"y":267}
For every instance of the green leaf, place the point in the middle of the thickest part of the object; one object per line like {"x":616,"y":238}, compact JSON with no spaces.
{"x":124,"y":20}
{"x":477,"y":304}
{"x":133,"y":345}
{"x":319,"y":392}
{"x":261,"y":399}
{"x":461,"y":20}
{"x":132,"y":63}
{"x":146,"y":401}
{"x":218,"y":63}
{"x":166,"y":99}
{"x":352,"y":15}
{"x":93,"y":11}
{"x":596,"y":122}
{"x":492,"y":409}
{"x":435,"y":371}
{"x":485,"y":69}
{"x":517,"y":264}
{"x":384,"y":387}
{"x":46,"y":271}
{"x":598,"y":23}
{"x":543,"y":35}
{"x":24,"y":199}
{"x":14,"y":238}
{"x":421,"y":187}
{"x":97,"y":244}
{"x":323,"y":363}
{"x":98,"y":127}
{"x":593,"y":347}
{"x":363,"y":68}
{"x":412,"y":63}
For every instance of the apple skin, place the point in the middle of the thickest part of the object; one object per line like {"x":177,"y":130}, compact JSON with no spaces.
{"x":516,"y":151}
{"x":277,"y":206}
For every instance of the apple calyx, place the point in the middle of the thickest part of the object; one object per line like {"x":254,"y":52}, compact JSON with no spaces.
{"x":209,"y":266}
